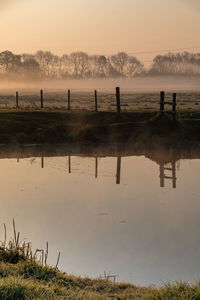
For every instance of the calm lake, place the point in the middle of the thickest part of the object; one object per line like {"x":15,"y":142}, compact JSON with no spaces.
{"x":131,"y":216}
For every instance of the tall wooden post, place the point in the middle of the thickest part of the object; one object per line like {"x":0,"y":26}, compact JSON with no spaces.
{"x":96,"y":100}
{"x":118,"y":100}
{"x":41,"y":98}
{"x":174,"y":104}
{"x":118,"y":175}
{"x":69,"y":100}
{"x":17,"y":99}
{"x":162,"y":102}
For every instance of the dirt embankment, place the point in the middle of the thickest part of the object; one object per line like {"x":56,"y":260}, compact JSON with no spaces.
{"x":142,"y":128}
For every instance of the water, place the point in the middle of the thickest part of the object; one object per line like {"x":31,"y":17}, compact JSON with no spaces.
{"x":108,"y":214}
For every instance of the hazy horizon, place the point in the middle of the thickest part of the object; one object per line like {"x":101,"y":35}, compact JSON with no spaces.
{"x":149,"y":84}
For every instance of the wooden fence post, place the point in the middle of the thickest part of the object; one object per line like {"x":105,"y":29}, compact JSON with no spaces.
{"x":96,"y":100}
{"x":17,"y":99}
{"x":118,"y":100}
{"x":69,"y":100}
{"x":162,"y":102}
{"x":41,"y":98}
{"x":174,"y":104}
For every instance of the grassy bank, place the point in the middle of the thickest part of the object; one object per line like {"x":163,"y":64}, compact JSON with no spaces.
{"x":50,"y":127}
{"x":30,"y":280}
{"x":24,"y":274}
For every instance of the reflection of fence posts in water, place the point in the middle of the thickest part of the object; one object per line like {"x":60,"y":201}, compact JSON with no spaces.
{"x":118,"y":175}
{"x":163,"y":176}
{"x":174,"y":175}
{"x":96,"y":167}
{"x":69,"y":164}
{"x":42,"y":162}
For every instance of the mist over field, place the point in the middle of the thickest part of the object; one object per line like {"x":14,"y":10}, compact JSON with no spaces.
{"x":138,"y":84}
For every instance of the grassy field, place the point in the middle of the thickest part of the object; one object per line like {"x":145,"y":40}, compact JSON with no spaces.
{"x":143,"y":127}
{"x":84,"y":100}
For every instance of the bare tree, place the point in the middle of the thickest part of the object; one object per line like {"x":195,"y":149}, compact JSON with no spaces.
{"x":45,"y":58}
{"x":29,"y":67}
{"x":119,"y":62}
{"x":178,"y":64}
{"x":9,"y":62}
{"x":98,"y":66}
{"x":64,"y":66}
{"x":133,"y":67}
{"x":79,"y":62}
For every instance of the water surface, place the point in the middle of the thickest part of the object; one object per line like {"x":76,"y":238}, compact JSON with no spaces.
{"x":129,"y":216}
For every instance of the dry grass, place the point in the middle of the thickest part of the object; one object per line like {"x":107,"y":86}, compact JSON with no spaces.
{"x":24,"y":275}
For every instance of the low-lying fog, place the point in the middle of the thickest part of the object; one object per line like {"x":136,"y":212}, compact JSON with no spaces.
{"x":138,"y":84}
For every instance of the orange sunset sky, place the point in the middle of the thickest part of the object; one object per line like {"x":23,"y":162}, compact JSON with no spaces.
{"x":140,"y":27}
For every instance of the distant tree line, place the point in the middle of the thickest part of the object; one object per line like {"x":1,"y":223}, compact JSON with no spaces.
{"x":176,"y":64}
{"x":80,"y":65}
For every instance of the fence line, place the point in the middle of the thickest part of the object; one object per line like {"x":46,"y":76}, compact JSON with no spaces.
{"x":118,"y":104}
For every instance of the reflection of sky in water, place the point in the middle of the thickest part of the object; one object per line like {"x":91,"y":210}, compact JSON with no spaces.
{"x":143,"y":233}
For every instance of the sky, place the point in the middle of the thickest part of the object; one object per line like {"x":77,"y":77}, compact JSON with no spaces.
{"x":139,"y":27}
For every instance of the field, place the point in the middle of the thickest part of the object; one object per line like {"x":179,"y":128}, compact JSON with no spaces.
{"x":84,"y":100}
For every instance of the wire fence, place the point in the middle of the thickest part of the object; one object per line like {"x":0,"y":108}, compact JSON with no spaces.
{"x":85,"y":100}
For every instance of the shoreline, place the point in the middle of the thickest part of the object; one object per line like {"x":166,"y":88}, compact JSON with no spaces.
{"x":141,"y":128}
